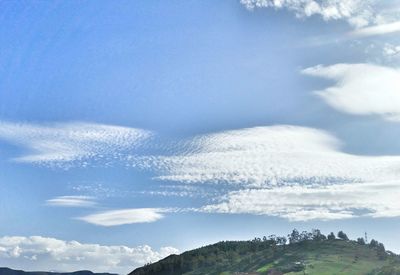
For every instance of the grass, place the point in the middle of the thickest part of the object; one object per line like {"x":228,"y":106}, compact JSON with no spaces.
{"x":340,"y":258}
{"x":309,"y":257}
{"x":265,"y":268}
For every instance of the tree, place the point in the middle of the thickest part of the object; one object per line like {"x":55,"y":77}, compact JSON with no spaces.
{"x":331,"y":236}
{"x":317,"y":235}
{"x":272,"y":239}
{"x":381,"y":252}
{"x":256,"y":240}
{"x":281,"y":240}
{"x":305,"y":236}
{"x":373,"y":243}
{"x":361,"y":241}
{"x":341,"y":235}
{"x":294,"y":237}
{"x":380,"y":249}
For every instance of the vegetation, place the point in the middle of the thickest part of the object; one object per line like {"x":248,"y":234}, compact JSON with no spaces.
{"x":298,"y":253}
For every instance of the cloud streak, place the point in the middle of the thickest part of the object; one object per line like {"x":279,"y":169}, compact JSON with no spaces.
{"x":380,"y":29}
{"x":293,"y":172}
{"x":75,"y":143}
{"x":43,"y":253}
{"x":302,"y":203}
{"x":271,"y":156}
{"x":124,"y":216}
{"x":72,"y":201}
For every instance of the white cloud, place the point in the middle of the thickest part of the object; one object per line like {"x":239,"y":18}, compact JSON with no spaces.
{"x":302,"y":203}
{"x":41,"y":253}
{"x":361,"y":89}
{"x":271,"y":156}
{"x":391,"y":51}
{"x":377,"y":30}
{"x":72,"y":201}
{"x":124,"y":216}
{"x":367,"y":17}
{"x":358,"y":13}
{"x":292,"y":172}
{"x":69,"y":143}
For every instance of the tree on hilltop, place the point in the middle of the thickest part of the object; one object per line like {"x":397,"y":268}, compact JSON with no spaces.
{"x":294,"y":237}
{"x":361,"y":241}
{"x":341,"y":235}
{"x":331,"y":236}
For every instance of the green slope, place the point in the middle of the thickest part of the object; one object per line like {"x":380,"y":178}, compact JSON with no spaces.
{"x":305,"y":257}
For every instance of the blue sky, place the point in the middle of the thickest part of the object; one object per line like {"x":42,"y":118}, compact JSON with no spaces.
{"x":130,"y":130}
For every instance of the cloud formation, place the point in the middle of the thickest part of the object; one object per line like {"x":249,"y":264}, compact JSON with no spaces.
{"x":377,"y":30}
{"x":41,"y":253}
{"x":72,"y":201}
{"x":124,"y":216}
{"x":292,"y":172}
{"x":271,"y":156}
{"x":275,"y":170}
{"x":71,"y":143}
{"x":361,"y":89}
{"x":302,"y":203}
{"x":391,"y":51}
{"x":358,"y":13}
{"x":367,"y":17}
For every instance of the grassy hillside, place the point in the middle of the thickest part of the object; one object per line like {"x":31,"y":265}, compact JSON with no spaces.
{"x":312,"y":255}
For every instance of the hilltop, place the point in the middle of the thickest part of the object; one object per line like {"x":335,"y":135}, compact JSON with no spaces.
{"x":300,"y":253}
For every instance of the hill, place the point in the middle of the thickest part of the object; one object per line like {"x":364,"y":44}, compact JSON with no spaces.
{"x":306,"y":253}
{"x":9,"y":271}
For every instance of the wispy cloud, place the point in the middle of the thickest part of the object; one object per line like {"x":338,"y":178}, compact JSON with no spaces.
{"x":357,"y":12}
{"x":271,"y":156}
{"x":72,"y":201}
{"x":71,"y":143}
{"x":361,"y":89}
{"x":391,"y":51}
{"x":124,"y":216}
{"x":298,"y":165}
{"x":292,"y":172}
{"x":302,"y":203}
{"x":42,"y":253}
{"x":376,"y":30}
{"x":367,"y":18}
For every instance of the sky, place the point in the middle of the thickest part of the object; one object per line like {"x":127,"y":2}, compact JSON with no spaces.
{"x":131,"y":130}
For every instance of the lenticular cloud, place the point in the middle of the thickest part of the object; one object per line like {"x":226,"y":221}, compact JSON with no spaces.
{"x":296,"y":173}
{"x":71,"y":143}
{"x":302,"y":203}
{"x":124,"y":216}
{"x":272,"y":156}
